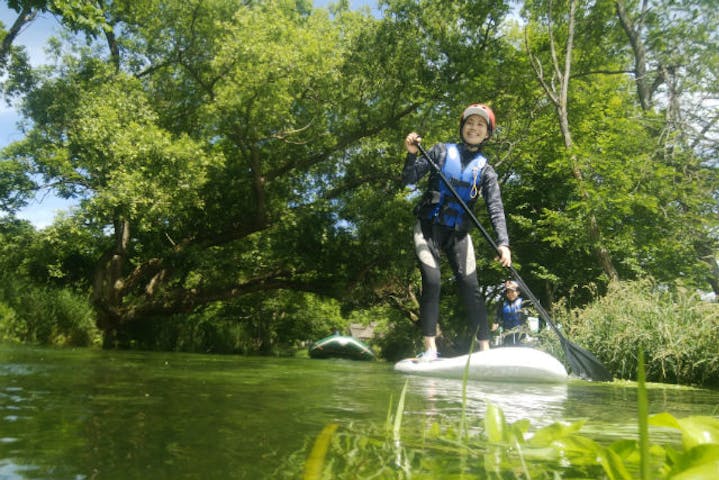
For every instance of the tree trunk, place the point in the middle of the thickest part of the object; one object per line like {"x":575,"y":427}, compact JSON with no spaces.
{"x":108,"y":285}
{"x":633,"y":31}
{"x":26,"y":16}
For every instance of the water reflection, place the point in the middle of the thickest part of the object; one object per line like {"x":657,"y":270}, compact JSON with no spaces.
{"x":542,"y":404}
{"x":11,"y":471}
{"x":609,"y":410}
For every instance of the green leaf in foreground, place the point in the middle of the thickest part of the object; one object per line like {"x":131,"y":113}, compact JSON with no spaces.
{"x":505,"y":450}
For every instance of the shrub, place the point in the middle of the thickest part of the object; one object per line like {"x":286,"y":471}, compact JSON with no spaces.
{"x":9,"y":326}
{"x":677,"y":330}
{"x":46,"y":316}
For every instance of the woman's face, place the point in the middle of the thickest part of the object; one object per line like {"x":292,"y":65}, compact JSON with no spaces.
{"x":474,"y":130}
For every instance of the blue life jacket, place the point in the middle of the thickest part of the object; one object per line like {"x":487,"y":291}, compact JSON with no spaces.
{"x":512,"y":313}
{"x":465,"y":180}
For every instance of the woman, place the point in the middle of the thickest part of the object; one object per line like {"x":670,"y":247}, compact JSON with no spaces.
{"x":442,"y":224}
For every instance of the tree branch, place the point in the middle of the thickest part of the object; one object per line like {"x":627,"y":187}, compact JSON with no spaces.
{"x":26,"y":16}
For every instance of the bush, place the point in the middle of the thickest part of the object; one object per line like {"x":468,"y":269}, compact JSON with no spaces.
{"x":46,"y":316}
{"x":9,"y":326}
{"x":677,"y":330}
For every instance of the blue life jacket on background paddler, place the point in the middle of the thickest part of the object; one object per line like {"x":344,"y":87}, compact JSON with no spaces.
{"x":465,"y":179}
{"x":512,"y":313}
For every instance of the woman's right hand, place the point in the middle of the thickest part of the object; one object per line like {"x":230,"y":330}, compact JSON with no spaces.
{"x":411,"y":142}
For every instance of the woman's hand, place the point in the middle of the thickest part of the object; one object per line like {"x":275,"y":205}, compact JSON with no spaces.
{"x":411,"y":142}
{"x":505,"y":256}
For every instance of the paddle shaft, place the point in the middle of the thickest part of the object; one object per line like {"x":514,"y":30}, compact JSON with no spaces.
{"x":570,"y":349}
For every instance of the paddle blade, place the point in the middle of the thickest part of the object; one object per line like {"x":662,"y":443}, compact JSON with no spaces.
{"x":584,"y":363}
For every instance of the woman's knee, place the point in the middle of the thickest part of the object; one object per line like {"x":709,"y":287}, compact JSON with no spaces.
{"x":468,"y":283}
{"x":431,"y":279}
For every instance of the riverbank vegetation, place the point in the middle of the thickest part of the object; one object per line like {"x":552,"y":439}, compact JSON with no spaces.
{"x":674,"y":327}
{"x":235,"y":171}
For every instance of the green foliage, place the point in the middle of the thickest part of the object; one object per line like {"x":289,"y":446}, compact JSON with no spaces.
{"x":401,"y":339}
{"x":113,"y":154}
{"x":610,"y":184}
{"x":33,"y":308}
{"x":80,"y":15}
{"x":281,"y":324}
{"x":675,"y":328}
{"x":63,"y":254}
{"x":45,"y":316}
{"x":15,"y":186}
{"x":508,"y":450}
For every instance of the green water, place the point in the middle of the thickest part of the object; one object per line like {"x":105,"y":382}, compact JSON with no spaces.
{"x":85,"y":414}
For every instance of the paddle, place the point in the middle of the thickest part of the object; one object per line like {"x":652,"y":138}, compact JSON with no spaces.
{"x":581,"y":361}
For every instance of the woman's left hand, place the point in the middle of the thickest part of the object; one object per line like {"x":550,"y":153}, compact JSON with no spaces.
{"x":505,"y":256}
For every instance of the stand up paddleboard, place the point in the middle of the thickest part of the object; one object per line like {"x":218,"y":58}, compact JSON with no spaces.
{"x":508,"y":364}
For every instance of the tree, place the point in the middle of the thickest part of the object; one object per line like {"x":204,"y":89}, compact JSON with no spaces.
{"x":556,"y":87}
{"x":227,"y":156}
{"x":625,"y":186}
{"x":231,"y":188}
{"x":674,"y":47}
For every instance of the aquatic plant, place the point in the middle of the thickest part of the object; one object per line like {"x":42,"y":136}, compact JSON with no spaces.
{"x":510,"y":450}
{"x":513,"y":450}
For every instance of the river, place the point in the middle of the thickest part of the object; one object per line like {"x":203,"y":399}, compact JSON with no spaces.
{"x":89,"y":414}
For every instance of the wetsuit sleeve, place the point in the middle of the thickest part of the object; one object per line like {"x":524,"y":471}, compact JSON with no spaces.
{"x":416,"y":166}
{"x":495,"y":208}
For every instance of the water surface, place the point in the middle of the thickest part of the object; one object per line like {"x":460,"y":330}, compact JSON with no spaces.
{"x":83,"y":414}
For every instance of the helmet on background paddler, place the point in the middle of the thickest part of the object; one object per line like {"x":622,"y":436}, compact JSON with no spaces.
{"x":483,"y":111}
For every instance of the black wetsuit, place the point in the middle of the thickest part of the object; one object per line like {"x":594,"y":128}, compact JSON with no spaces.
{"x":431,"y":238}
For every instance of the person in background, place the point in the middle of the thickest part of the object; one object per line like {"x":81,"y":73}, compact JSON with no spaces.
{"x":511,"y":315}
{"x":442,"y":224}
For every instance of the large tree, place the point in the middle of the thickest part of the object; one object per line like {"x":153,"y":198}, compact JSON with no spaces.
{"x":675,"y":52}
{"x":633,"y":205}
{"x":213,"y":162}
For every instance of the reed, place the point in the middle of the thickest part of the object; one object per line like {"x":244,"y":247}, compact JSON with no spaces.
{"x":315,"y":462}
{"x":677,"y":331}
{"x":45,"y":316}
{"x":643,"y":414}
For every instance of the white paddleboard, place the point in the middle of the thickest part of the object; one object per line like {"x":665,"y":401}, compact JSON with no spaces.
{"x":508,"y":364}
